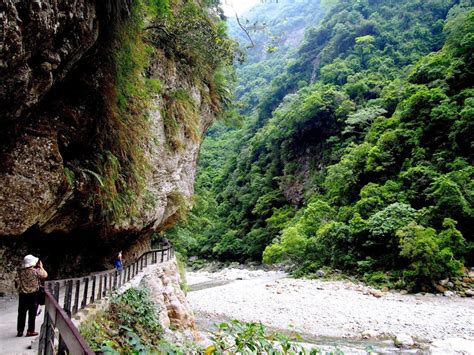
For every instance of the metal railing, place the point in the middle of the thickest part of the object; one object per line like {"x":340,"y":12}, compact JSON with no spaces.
{"x":75,"y":294}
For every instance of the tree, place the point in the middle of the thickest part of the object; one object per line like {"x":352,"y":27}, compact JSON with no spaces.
{"x":361,"y":120}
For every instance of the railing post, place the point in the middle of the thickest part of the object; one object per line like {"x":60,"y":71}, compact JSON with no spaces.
{"x":67,"y":297}
{"x":92,"y":299}
{"x":62,"y":348}
{"x":86,"y":290}
{"x":46,"y":340}
{"x":115,"y":279}
{"x":162,"y":255}
{"x":105,"y":285}
{"x":49,"y":340}
{"x":75,"y":308}
{"x":99,"y":294}
{"x":56,"y":291}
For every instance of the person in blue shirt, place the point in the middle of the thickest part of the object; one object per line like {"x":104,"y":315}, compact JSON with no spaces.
{"x":118,"y":261}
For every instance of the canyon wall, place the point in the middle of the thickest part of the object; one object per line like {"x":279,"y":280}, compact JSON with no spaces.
{"x":88,"y":162}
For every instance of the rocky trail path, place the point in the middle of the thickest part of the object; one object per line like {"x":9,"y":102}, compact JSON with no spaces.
{"x":341,"y":310}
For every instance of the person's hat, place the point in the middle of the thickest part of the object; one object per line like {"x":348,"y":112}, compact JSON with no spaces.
{"x":29,"y":261}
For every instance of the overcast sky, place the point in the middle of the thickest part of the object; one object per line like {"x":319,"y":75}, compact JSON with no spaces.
{"x":239,"y":6}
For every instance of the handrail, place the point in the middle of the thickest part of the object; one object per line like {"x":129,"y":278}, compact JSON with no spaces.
{"x":69,"y":335}
{"x":101,"y":284}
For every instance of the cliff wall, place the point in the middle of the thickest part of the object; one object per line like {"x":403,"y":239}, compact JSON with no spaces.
{"x":101,"y":124}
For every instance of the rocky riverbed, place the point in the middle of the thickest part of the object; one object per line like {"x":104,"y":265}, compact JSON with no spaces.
{"x":341,"y":311}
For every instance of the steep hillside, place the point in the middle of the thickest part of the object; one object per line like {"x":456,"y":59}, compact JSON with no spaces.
{"x":104,"y":105}
{"x":360,"y":157}
{"x":279,"y":26}
{"x":270,"y":35}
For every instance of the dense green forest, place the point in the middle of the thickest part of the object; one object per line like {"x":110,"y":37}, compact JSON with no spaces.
{"x":355,"y":149}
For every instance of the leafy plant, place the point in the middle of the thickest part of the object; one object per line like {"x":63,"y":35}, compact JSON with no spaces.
{"x":238,"y":337}
{"x":180,"y":112}
{"x":129,"y":325}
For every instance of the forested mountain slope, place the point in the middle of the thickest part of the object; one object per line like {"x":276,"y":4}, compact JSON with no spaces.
{"x":271,"y":25}
{"x":360,"y":157}
{"x":270,"y":34}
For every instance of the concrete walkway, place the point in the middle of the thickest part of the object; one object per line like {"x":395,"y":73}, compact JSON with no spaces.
{"x":9,"y":343}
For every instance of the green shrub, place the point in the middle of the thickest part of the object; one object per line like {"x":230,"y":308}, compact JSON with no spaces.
{"x":390,"y":219}
{"x":273,"y":254}
{"x":181,"y":262}
{"x":430,"y":255}
{"x":332,"y":245}
{"x":377,"y":278}
{"x":130,"y":325}
{"x":179,"y":112}
{"x":235,"y":337}
{"x":294,"y":244}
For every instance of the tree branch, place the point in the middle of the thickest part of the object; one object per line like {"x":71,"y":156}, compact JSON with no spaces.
{"x":244,"y":29}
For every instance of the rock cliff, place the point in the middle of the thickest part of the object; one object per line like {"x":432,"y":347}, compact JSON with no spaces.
{"x":101,"y":123}
{"x":164,"y":283}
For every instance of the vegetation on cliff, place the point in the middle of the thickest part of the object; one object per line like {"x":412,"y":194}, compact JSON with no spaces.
{"x":128,"y":326}
{"x":151,"y":33}
{"x":358,"y":156}
{"x":121,"y":165}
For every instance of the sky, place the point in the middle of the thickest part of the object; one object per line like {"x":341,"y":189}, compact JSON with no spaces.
{"x":239,"y":6}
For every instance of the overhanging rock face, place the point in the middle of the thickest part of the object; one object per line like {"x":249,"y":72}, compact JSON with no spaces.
{"x":56,"y":87}
{"x":42,"y":41}
{"x":54,"y":69}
